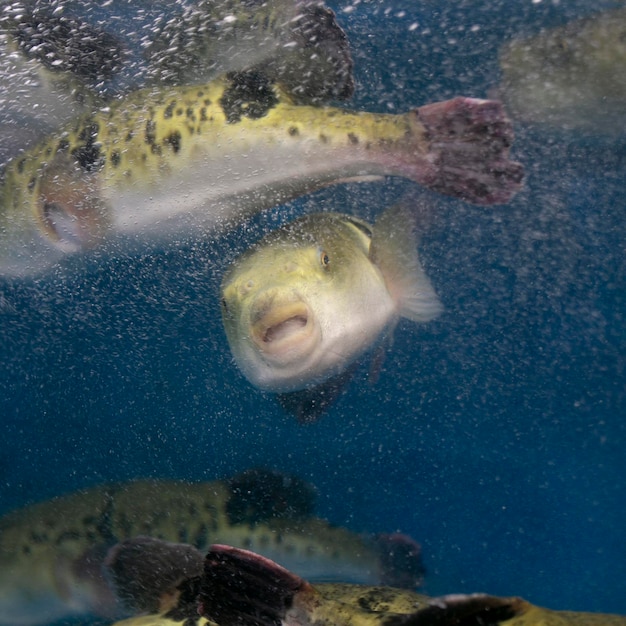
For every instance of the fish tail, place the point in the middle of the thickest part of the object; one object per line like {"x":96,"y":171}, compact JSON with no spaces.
{"x":468,"y":151}
{"x":401,"y":560}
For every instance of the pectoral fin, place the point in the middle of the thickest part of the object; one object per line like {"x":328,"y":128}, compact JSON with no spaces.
{"x":394,"y":251}
{"x":145,"y":572}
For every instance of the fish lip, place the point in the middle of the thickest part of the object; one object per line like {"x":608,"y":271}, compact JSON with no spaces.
{"x":283,"y":331}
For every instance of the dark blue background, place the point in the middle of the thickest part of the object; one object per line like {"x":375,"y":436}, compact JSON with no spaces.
{"x":494,"y":435}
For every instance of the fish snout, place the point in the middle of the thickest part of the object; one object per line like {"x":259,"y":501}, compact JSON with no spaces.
{"x":283,"y":329}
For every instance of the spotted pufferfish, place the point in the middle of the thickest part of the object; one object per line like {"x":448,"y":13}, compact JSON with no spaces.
{"x":201,"y":158}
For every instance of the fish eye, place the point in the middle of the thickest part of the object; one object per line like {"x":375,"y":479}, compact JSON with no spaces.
{"x":324,"y":259}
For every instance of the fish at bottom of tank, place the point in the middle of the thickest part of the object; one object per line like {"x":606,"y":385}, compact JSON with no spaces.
{"x":52,"y":553}
{"x":306,"y":301}
{"x":235,"y":587}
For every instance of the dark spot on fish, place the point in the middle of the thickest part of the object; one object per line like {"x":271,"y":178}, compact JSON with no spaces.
{"x":203,"y":117}
{"x":38,"y":537}
{"x":202,"y":537}
{"x":115,"y":158}
{"x":20,"y":166}
{"x":354,"y":140}
{"x":260,"y":495}
{"x":200,"y":94}
{"x":87,"y":153}
{"x":104,"y":522}
{"x":174,"y":139}
{"x":293,"y":131}
{"x":63,"y":145}
{"x":179,"y":112}
{"x":207,"y":102}
{"x":150,"y":132}
{"x":191,"y":114}
{"x":369,"y":602}
{"x":169,"y":110}
{"x":68,"y":535}
{"x":31,"y":184}
{"x":249,"y":94}
{"x":323,"y":138}
{"x":129,"y":136}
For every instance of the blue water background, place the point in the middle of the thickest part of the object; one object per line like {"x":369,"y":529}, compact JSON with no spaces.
{"x":494,"y":435}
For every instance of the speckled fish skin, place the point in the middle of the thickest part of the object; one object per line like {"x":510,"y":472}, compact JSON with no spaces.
{"x":201,"y":158}
{"x":192,"y":42}
{"x":242,"y":588}
{"x":297,"y":42}
{"x":571,"y":77}
{"x":51,"y":553}
{"x":58,"y":58}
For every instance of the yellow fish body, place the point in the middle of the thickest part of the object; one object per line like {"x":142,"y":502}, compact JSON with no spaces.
{"x":203,"y":157}
{"x":51,"y":553}
{"x":239,"y":587}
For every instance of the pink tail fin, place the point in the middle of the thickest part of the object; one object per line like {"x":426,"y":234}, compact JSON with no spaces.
{"x":469,"y":150}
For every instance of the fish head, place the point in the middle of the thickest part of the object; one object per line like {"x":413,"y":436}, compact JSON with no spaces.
{"x":49,"y":207}
{"x":304,"y":302}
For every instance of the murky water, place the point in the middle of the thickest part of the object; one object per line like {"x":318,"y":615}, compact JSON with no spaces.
{"x":494,"y":435}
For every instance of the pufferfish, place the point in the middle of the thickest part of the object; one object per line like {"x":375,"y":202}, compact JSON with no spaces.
{"x":307,"y":300}
{"x":174,"y":585}
{"x":201,"y":158}
{"x":53,"y":554}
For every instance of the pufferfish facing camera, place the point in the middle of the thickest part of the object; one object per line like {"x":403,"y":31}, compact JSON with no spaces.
{"x":306,"y":301}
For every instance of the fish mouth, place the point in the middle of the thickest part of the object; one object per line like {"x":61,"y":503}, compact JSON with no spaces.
{"x":284,"y":331}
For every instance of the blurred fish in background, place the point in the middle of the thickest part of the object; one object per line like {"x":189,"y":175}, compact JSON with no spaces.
{"x":572,"y":77}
